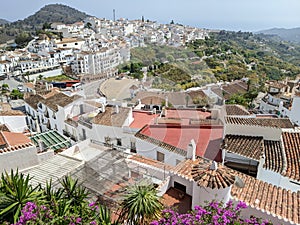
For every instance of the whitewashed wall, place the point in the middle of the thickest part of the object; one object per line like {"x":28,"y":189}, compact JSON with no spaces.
{"x":150,"y":150}
{"x":14,"y":123}
{"x":277,"y":179}
{"x":21,"y":159}
{"x":202,"y":195}
{"x":268,"y":133}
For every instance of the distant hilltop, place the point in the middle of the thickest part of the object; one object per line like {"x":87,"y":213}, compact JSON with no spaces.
{"x":48,"y":14}
{"x":292,"y":35}
{"x":3,"y":21}
{"x":53,"y":13}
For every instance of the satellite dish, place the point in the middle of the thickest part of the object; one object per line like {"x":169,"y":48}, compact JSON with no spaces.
{"x":239,"y":182}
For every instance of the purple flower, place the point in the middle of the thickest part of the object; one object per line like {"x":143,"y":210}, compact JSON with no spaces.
{"x":240,"y":205}
{"x":93,"y":222}
{"x":78,"y":220}
{"x":92,"y":204}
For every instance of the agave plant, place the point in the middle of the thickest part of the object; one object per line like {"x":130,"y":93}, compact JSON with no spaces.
{"x":16,"y":192}
{"x":74,"y":193}
{"x":140,"y":205}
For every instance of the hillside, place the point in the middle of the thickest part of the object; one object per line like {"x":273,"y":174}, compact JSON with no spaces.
{"x":224,"y":56}
{"x":48,"y":14}
{"x":292,"y":35}
{"x":3,"y":21}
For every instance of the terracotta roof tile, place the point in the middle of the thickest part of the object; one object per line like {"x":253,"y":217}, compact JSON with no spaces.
{"x":268,"y":198}
{"x":263,"y":122}
{"x":255,"y":193}
{"x":247,"y":146}
{"x":59,"y":99}
{"x":217,"y":178}
{"x":111,"y":118}
{"x":274,"y":159}
{"x":236,"y":110}
{"x":291,"y":142}
{"x":33,"y":100}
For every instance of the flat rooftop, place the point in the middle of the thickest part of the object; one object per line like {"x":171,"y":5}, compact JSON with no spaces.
{"x":208,"y":138}
{"x":142,"y":118}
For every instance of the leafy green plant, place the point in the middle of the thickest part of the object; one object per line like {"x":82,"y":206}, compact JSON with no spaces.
{"x":17,"y":191}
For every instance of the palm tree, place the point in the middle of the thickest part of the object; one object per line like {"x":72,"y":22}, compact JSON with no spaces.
{"x":16,"y":192}
{"x":140,"y":205}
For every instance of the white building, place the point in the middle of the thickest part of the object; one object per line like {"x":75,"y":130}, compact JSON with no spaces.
{"x":291,"y":110}
{"x":103,"y":61}
{"x":16,"y":152}
{"x":74,"y":43}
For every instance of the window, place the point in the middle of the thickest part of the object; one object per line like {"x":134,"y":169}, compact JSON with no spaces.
{"x":64,"y":45}
{"x":160,"y":156}
{"x":119,"y":142}
{"x":132,"y":146}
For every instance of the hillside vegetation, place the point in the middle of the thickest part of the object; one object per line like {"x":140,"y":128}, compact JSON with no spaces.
{"x":224,"y":56}
{"x":233,"y":55}
{"x":292,"y":35}
{"x":46,"y":15}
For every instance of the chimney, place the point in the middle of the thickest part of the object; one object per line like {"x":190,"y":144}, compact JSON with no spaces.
{"x":117,"y":109}
{"x":102,"y":107}
{"x":154,"y":110}
{"x":214,"y":166}
{"x":41,"y":145}
{"x":191,"y":150}
{"x":47,"y":87}
{"x":167,"y":101}
{"x":164,"y":112}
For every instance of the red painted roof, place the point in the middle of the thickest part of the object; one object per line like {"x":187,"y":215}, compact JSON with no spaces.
{"x":208,"y":138}
{"x":142,"y":118}
{"x":13,"y":139}
{"x":187,"y":113}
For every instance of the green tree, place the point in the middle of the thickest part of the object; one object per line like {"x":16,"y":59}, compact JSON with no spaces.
{"x":16,"y":94}
{"x":5,"y":88}
{"x":88,"y":25}
{"x":140,"y":205}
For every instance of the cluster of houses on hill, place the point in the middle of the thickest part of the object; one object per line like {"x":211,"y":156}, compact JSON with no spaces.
{"x":191,"y":154}
{"x":93,"y":47}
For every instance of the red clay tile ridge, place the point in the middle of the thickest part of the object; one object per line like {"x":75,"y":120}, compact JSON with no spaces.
{"x":291,"y":148}
{"x":267,"y":198}
{"x":159,"y":143}
{"x":15,"y":148}
{"x":214,"y":177}
{"x":236,"y":110}
{"x":261,"y":122}
{"x":248,"y":146}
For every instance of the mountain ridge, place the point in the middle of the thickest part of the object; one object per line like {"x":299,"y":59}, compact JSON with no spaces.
{"x":47,"y":14}
{"x":4,"y":21}
{"x":287,"y":34}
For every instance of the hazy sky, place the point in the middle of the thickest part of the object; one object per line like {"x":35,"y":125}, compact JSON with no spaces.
{"x":221,"y":14}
